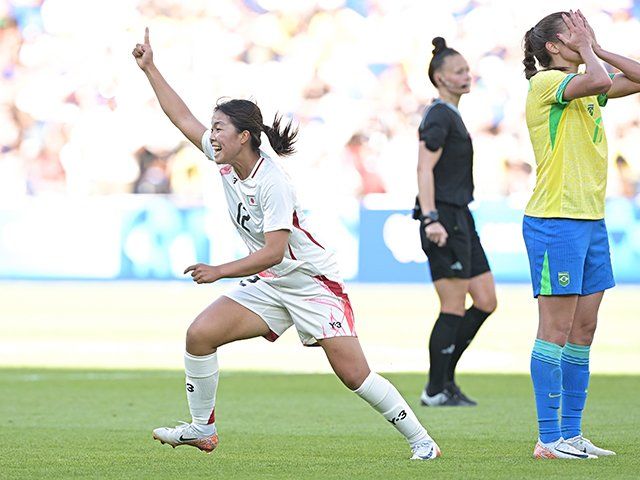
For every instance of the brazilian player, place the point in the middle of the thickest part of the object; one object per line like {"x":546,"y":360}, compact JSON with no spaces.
{"x":563,"y":227}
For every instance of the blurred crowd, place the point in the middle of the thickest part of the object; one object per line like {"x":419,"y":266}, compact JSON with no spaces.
{"x":77,"y":116}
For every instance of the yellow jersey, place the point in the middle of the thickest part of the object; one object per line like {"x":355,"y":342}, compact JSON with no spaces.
{"x":570,"y":148}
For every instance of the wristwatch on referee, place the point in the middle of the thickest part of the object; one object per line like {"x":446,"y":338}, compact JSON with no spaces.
{"x":429,"y":218}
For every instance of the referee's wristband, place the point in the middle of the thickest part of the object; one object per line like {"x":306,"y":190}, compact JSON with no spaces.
{"x":426,"y":221}
{"x":429,"y":218}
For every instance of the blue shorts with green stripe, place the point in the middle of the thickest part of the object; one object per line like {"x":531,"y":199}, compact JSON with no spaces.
{"x":567,"y":256}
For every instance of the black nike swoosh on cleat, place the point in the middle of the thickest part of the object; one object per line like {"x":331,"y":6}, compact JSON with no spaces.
{"x":572,"y":454}
{"x":187,"y":439}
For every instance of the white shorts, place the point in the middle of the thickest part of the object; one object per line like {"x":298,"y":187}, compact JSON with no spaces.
{"x":317,"y":306}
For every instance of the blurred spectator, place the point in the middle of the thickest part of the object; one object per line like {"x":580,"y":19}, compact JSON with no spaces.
{"x":76,"y":118}
{"x":626,"y":179}
{"x":358,"y":156}
{"x":154,"y":173}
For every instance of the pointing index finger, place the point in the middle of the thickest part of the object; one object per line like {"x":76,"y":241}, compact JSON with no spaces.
{"x":146,"y":35}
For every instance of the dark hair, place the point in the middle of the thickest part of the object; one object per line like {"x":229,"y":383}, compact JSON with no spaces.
{"x":440,"y":52}
{"x":245,"y":115}
{"x":536,"y":38}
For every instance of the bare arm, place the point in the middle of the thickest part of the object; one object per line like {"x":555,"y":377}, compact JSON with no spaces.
{"x":268,"y":256}
{"x":170,"y":101}
{"x":426,"y":188}
{"x":595,"y":79}
{"x":426,"y":192}
{"x":625,"y":83}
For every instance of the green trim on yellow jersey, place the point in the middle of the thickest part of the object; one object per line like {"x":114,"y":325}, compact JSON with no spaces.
{"x":562,"y":87}
{"x":570,"y":148}
{"x":555,"y":114}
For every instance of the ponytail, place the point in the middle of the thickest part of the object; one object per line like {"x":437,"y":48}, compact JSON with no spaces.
{"x":529,"y":61}
{"x":245,"y":115}
{"x":535,"y":40}
{"x":281,"y":140}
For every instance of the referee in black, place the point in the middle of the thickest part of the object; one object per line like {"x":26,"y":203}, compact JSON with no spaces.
{"x":457,"y":260}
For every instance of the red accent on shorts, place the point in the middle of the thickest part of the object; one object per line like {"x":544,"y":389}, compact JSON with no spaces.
{"x":296,"y":223}
{"x":266,"y":274}
{"x":257,"y":167}
{"x":293,"y":257}
{"x":271,"y":336}
{"x":336,"y":289}
{"x":212,"y":418}
{"x":226,"y":170}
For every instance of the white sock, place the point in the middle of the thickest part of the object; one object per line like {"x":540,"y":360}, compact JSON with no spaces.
{"x":384,"y":398}
{"x":202,"y":383}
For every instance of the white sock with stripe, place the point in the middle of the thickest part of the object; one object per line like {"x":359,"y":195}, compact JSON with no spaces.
{"x":202,"y":383}
{"x":385,"y":398}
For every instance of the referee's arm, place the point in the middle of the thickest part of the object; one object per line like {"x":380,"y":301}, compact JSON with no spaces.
{"x":426,"y":189}
{"x":426,"y":192}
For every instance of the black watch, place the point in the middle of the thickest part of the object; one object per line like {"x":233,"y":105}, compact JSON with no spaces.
{"x":430,"y":218}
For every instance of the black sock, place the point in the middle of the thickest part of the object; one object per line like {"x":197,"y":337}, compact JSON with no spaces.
{"x":441,"y":346}
{"x":471,"y":323}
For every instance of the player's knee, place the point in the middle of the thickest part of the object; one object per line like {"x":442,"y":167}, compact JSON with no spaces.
{"x":453,"y":309}
{"x":583,"y":335}
{"x":557,"y":335}
{"x":487,"y":304}
{"x":354,"y":379}
{"x":453,"y":304}
{"x":199,"y":340}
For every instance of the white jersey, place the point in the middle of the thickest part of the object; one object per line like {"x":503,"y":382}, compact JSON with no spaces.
{"x":266,"y":201}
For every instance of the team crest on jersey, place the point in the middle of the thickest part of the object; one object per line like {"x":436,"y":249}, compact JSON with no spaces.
{"x":590,"y":108}
{"x":564,"y":278}
{"x":252,"y":200}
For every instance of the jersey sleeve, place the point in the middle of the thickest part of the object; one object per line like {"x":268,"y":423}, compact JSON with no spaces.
{"x":435,"y":127}
{"x":549,"y":86}
{"x":277,"y":202}
{"x":206,"y":145}
{"x":603,"y":98}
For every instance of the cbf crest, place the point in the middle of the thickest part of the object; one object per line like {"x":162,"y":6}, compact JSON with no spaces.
{"x":564,"y":279}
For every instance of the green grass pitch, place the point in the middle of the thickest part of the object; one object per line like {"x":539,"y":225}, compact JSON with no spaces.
{"x":64,"y":424}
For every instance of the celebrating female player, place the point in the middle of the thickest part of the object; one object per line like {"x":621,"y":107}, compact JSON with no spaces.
{"x":564,"y":227}
{"x":457,"y":260}
{"x":293,"y":279}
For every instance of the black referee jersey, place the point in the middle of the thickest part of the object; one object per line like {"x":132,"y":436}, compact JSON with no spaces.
{"x":442,"y":126}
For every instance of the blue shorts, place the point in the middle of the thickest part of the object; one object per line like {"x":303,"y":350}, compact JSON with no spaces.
{"x":567,"y":256}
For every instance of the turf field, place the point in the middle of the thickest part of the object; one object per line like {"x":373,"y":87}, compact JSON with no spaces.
{"x":97,"y":424}
{"x":87,"y":370}
{"x":142,"y":325}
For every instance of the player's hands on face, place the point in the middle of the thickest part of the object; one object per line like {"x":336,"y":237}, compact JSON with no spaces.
{"x":436,"y":233}
{"x":143,"y":53}
{"x":579,"y":36}
{"x":202,"y":273}
{"x":592,"y":34}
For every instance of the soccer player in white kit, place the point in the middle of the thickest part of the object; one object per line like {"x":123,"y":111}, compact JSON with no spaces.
{"x":290,"y":278}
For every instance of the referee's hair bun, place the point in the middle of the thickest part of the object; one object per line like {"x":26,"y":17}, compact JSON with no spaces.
{"x":439,"y":45}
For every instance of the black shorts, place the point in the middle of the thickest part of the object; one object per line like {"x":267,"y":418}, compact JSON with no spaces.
{"x":463,"y":255}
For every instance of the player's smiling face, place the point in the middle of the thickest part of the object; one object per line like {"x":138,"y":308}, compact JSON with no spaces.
{"x":226,"y":141}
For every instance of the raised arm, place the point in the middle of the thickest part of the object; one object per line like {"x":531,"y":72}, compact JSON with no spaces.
{"x":628,"y":81}
{"x":171,"y":103}
{"x":595,"y":79}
